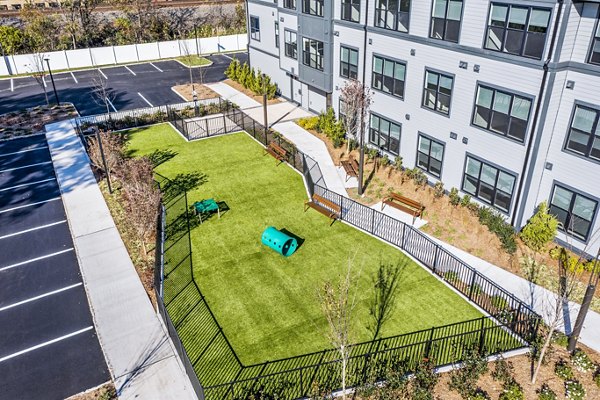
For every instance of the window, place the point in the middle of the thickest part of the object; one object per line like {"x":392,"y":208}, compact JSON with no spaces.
{"x":445,"y":20}
{"x":489,"y":184}
{"x":291,"y":44}
{"x":289,"y":4}
{"x":584,"y":135}
{"x":349,"y":63}
{"x":254,"y":28}
{"x":430,"y":155}
{"x":276,"y":34}
{"x":517,"y":30}
{"x":437,"y":92}
{"x":313,"y":53}
{"x":595,"y":50}
{"x":574,"y":211}
{"x":313,"y":7}
{"x":388,"y":76}
{"x":502,"y":112}
{"x":385,"y":134}
{"x":392,"y":14}
{"x":351,"y":10}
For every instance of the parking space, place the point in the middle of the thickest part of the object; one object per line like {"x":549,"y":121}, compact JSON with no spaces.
{"x":143,"y":68}
{"x":4,"y":85}
{"x":24,"y":82}
{"x":49,"y":347}
{"x":115,"y":72}
{"x":170,"y":65}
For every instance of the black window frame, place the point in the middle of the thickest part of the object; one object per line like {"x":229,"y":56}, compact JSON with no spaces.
{"x":318,"y":65}
{"x":386,"y":147}
{"x":289,"y":4}
{"x":347,"y":65}
{"x":277,"y":34}
{"x":347,"y":6}
{"x":428,"y":156}
{"x":398,"y":85}
{"x":507,"y":29}
{"x":445,"y":22}
{"x":594,"y":56}
{"x":288,"y":45}
{"x":493,"y":190}
{"x":593,"y":135}
{"x":399,"y":13}
{"x":491,"y":113}
{"x":427,"y":90}
{"x":566,"y":217}
{"x":318,"y":11}
{"x":255,"y":31}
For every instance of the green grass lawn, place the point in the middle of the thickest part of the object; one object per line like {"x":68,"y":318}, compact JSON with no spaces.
{"x":267,"y":304}
{"x":193,"y":61}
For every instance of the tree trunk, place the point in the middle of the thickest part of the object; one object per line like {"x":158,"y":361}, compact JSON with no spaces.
{"x":542,"y":354}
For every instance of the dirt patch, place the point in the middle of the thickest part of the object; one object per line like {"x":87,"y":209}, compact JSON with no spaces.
{"x":32,"y":120}
{"x":105,"y":392}
{"x":250,"y":94}
{"x":202,"y":91}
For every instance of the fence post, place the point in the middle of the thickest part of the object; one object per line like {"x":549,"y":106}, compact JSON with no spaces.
{"x":472,"y":284}
{"x":429,"y":341}
{"x":372,"y":221}
{"x":404,"y":236}
{"x":482,"y":335}
{"x":435,"y":258}
{"x":207,"y":131}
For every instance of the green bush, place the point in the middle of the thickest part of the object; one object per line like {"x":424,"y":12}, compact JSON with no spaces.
{"x":464,"y":379}
{"x":574,"y":390}
{"x":418,"y":176}
{"x":233,"y":70}
{"x":424,"y":380}
{"x":384,"y":162}
{"x":454,"y":197}
{"x":545,"y":393}
{"x":499,"y":302}
{"x":309,"y":123}
{"x":503,"y":370}
{"x":512,"y":391}
{"x":497,"y":225}
{"x":540,"y":229}
{"x":563,"y":370}
{"x":255,"y":81}
{"x":372,"y":154}
{"x":466,"y":200}
{"x":438,"y":189}
{"x":582,"y":361}
{"x":560,"y":339}
{"x":596,"y":377}
{"x":398,"y":163}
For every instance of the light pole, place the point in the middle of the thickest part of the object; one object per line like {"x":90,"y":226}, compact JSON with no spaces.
{"x":265,"y":103}
{"x":195,"y":98}
{"x":52,"y":79}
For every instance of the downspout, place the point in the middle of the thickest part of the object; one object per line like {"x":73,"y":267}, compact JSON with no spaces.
{"x":247,"y":32}
{"x":361,"y":162}
{"x":364,"y":72}
{"x":536,"y":115}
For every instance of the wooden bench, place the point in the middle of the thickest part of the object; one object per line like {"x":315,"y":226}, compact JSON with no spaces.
{"x":324,"y":206}
{"x":405,"y":204}
{"x":351,"y":168}
{"x":276,"y":151}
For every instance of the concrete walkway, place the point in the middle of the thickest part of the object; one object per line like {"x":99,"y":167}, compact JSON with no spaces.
{"x":536,"y":296}
{"x":139,"y":353}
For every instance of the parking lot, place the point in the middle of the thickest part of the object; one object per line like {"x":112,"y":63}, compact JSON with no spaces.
{"x":48,"y":344}
{"x":129,"y":86}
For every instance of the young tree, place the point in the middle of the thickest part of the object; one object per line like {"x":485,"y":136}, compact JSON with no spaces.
{"x":12,"y":40}
{"x":338,"y":304}
{"x":39,"y":73}
{"x":540,"y":229}
{"x":106,"y":152}
{"x":102,"y":94}
{"x":357,"y":100}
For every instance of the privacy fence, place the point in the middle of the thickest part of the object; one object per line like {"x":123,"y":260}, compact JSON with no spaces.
{"x":211,"y":360}
{"x":100,"y":56}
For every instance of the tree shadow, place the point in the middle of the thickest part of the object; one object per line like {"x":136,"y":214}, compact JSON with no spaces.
{"x":183,"y":183}
{"x":369,"y":178}
{"x":385,"y":284}
{"x":160,"y":156}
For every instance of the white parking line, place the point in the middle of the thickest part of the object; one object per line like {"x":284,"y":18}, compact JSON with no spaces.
{"x":12,"y":85}
{"x":27,"y":184}
{"x":225,"y":55}
{"x":29,"y":205}
{"x":75,"y":79}
{"x":33,"y":229}
{"x":25,"y":166}
{"x":105,"y":77}
{"x":159,"y":70}
{"x":24,"y":151}
{"x":143,"y":98}
{"x":36,"y":259}
{"x":41,"y":296}
{"x":58,"y":339}
{"x":127,"y":68}
{"x":111,"y":104}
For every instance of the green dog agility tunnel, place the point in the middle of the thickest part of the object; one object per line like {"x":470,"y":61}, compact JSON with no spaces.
{"x":279,"y":241}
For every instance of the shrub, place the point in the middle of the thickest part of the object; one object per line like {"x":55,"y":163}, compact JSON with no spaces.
{"x":545,"y":393}
{"x":563,"y":370}
{"x":464,"y":379}
{"x":479,"y":395}
{"x":438,"y":189}
{"x":419,"y":178}
{"x":597,"y":377}
{"x":398,"y":163}
{"x":454,"y":197}
{"x":512,"y":391}
{"x":560,"y":339}
{"x":424,"y":380}
{"x":451,"y":276}
{"x":309,"y":123}
{"x":372,"y":154}
{"x":232,"y":71}
{"x":497,"y":225}
{"x":503,"y":370}
{"x":384,"y":162}
{"x":465,"y":201}
{"x":574,"y":264}
{"x":574,"y":390}
{"x":540,"y":229}
{"x":582,"y":361}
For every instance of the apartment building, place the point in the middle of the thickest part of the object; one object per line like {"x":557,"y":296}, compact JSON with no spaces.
{"x":500,"y":99}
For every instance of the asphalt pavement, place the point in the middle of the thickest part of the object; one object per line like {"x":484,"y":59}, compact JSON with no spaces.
{"x":128,"y":87}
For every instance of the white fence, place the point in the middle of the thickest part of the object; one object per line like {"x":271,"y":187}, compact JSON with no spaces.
{"x":96,"y":56}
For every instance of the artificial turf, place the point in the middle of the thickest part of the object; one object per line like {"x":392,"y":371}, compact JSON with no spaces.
{"x":267,"y":304}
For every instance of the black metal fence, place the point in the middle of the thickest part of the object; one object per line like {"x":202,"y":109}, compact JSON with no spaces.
{"x":199,"y":126}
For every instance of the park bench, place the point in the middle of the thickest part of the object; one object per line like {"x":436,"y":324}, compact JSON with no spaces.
{"x":324,"y":206}
{"x":276,"y":151}
{"x":351,"y":168}
{"x":405,"y":204}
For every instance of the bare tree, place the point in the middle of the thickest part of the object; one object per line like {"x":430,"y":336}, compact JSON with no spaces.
{"x":39,"y":73}
{"x":357,"y":100}
{"x":338,"y":304}
{"x":102,"y":95}
{"x":141,"y":198}
{"x":106,"y":152}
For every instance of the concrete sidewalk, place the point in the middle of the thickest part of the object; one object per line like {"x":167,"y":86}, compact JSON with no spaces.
{"x":139,"y":353}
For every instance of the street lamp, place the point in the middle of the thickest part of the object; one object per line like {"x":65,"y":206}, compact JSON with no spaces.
{"x":52,"y":79}
{"x":195,"y":98}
